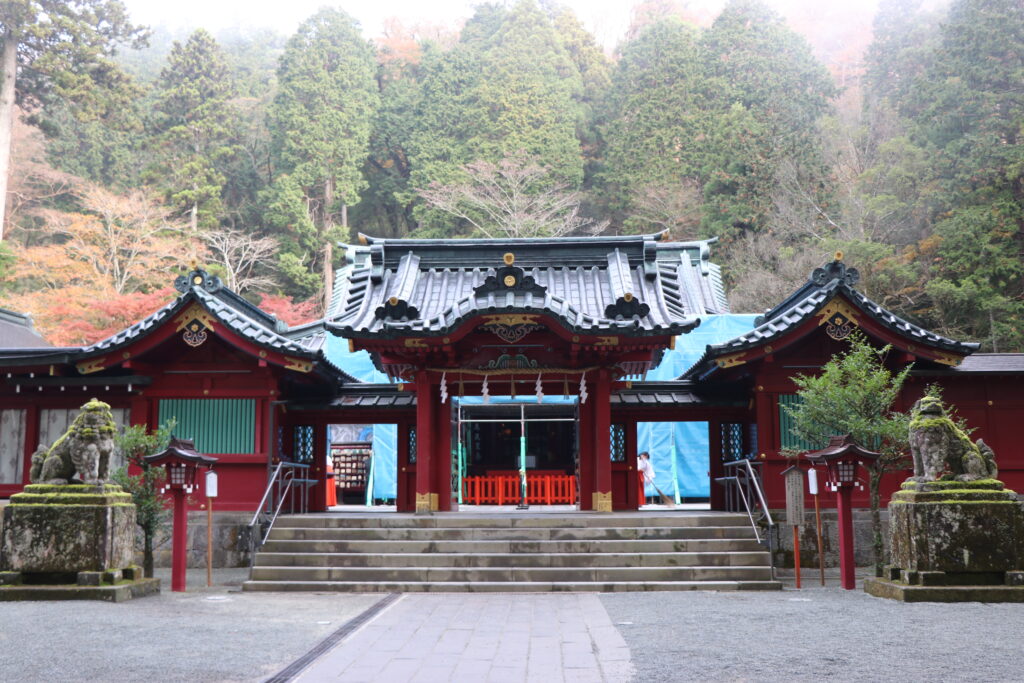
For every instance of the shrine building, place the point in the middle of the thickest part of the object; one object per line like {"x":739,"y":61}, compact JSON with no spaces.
{"x":491,"y":358}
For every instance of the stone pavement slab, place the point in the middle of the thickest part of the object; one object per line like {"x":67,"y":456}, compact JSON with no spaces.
{"x":504,"y":638}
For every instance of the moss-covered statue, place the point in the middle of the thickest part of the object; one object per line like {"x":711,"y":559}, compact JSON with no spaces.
{"x":941,"y":450}
{"x":82,"y":454}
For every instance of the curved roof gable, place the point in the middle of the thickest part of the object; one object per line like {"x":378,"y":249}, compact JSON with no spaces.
{"x":621,"y":284}
{"x":825,"y":295}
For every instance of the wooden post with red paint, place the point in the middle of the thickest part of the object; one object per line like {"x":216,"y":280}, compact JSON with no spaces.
{"x":846,"y":559}
{"x":179,"y":540}
{"x":424,"y":444}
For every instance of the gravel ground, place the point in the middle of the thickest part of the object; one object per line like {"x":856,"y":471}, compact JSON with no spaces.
{"x":816,"y":633}
{"x":206,"y":634}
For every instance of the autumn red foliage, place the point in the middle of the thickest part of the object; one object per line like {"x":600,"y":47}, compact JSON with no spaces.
{"x":288,"y":310}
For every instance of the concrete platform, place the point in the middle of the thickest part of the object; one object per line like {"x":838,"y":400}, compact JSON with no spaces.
{"x":894,"y":590}
{"x":126,"y":590}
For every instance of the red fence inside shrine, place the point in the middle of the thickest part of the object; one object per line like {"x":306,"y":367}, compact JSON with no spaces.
{"x":542,"y":488}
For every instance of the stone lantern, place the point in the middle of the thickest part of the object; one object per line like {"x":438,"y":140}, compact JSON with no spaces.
{"x":843,"y":460}
{"x":181,"y":461}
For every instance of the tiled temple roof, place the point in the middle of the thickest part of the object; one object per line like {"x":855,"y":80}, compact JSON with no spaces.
{"x":823,"y":286}
{"x":630,"y":284}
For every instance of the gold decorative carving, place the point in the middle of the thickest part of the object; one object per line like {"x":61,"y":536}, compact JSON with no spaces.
{"x":434,"y":507}
{"x":298,"y":364}
{"x":950,"y":359}
{"x":732,"y":360}
{"x":509,"y":258}
{"x":197,"y":313}
{"x":510,"y":327}
{"x":423,"y":504}
{"x":607,"y":341}
{"x":510,"y":280}
{"x":415,"y":343}
{"x":602,"y":502}
{"x":92,"y":365}
{"x":839,"y":318}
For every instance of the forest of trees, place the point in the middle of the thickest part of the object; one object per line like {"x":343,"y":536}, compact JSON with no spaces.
{"x":132,"y":155}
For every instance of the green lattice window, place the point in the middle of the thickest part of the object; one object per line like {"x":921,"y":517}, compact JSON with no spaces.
{"x":218,"y":425}
{"x":304,"y":444}
{"x":788,"y":438}
{"x":618,"y":442}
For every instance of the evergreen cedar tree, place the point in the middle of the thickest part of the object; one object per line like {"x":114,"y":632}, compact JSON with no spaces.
{"x":731,"y":129}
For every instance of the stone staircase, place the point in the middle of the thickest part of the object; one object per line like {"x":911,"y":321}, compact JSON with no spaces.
{"x":532,"y":552}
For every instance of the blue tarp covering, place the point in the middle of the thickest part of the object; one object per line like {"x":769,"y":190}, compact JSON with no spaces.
{"x":687,"y":440}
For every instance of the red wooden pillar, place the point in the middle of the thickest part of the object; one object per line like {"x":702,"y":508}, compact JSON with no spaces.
{"x":443,"y":454}
{"x":586,"y":454}
{"x":715,"y":469}
{"x":426,"y":495}
{"x":317,"y":493}
{"x":633,"y":501}
{"x":845,"y":519}
{"x":602,"y":491}
{"x":403,"y":497}
{"x":179,"y":542}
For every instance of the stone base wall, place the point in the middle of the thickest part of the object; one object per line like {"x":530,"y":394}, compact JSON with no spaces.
{"x":230,"y":543}
{"x":862,"y":539}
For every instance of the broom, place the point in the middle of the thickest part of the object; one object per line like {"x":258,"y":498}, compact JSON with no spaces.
{"x":665,"y":500}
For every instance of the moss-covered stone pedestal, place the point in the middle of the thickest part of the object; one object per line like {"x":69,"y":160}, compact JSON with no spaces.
{"x":954,"y":541}
{"x":70,"y":542}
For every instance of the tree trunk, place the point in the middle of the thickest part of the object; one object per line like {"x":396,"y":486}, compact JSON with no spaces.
{"x":147,"y":553}
{"x":9,"y":66}
{"x":328,"y":247}
{"x":875,"y":484}
{"x":193,"y":218}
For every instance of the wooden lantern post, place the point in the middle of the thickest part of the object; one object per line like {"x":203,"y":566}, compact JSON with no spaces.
{"x":843,"y":458}
{"x":182,"y":461}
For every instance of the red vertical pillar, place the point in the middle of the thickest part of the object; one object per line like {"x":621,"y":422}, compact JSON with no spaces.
{"x":179,"y":542}
{"x":586,"y":454}
{"x":846,"y":561}
{"x":715,"y":469}
{"x":633,"y":501}
{"x":316,"y":495}
{"x":442,"y":480}
{"x":425,"y":446}
{"x":602,"y":442}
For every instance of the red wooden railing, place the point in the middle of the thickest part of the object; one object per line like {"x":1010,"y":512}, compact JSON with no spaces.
{"x":503,"y":489}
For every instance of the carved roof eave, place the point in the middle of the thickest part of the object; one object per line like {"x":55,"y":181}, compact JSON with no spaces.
{"x":110,"y":352}
{"x":816,"y":300}
{"x":448,"y":323}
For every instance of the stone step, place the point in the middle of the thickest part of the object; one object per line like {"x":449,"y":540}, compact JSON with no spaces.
{"x":515,"y":574}
{"x":461,"y":520}
{"x":505,"y":586}
{"x":665,"y":559}
{"x":498,"y":546}
{"x":286,"y":533}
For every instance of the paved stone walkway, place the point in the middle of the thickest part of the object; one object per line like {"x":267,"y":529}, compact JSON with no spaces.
{"x":479,"y":638}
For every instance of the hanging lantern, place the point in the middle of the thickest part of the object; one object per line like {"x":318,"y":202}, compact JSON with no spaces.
{"x":583,"y":387}
{"x":444,"y":387}
{"x":539,"y":389}
{"x":485,"y":392}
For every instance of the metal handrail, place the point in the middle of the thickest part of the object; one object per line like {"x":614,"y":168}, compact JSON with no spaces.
{"x":279,"y":485}
{"x":747,"y":482}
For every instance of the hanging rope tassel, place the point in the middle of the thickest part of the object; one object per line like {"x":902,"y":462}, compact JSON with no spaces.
{"x":462,"y":389}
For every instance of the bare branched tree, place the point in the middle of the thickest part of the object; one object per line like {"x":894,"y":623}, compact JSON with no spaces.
{"x":516,"y":197}
{"x":675,"y":207}
{"x":245,"y":258}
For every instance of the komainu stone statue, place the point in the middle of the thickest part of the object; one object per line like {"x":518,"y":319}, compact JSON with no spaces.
{"x":82,"y":454}
{"x":941,"y":450}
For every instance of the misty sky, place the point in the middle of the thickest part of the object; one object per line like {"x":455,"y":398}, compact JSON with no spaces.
{"x":606,"y":19}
